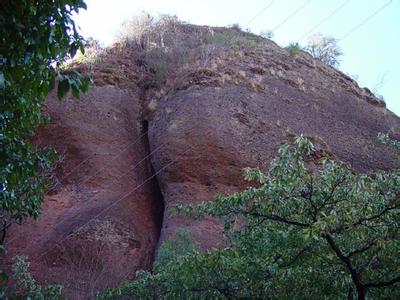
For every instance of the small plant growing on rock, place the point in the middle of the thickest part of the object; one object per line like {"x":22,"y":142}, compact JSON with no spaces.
{"x":231,"y":38}
{"x":267,"y":34}
{"x":93,"y":53}
{"x":381,"y":98}
{"x":235,"y":26}
{"x":147,"y":32}
{"x":293,"y":49}
{"x":159,"y":43}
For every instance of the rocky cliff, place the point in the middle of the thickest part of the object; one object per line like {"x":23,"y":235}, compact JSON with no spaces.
{"x":174,"y":120}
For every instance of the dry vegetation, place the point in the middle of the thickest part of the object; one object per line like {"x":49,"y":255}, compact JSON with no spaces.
{"x":159,"y":54}
{"x":154,"y":51}
{"x":97,"y":263}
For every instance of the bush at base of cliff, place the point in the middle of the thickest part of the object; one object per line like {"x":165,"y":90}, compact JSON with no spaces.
{"x":172,"y":249}
{"x":312,"y":229}
{"x":24,"y":286}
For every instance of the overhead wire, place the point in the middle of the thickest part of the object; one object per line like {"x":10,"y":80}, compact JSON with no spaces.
{"x":324,"y":20}
{"x":77,"y":167}
{"x":105,"y":187}
{"x":259,"y":13}
{"x":125,"y":147}
{"x":113,"y":204}
{"x":364,"y":21}
{"x":291,"y":15}
{"x":130,"y":170}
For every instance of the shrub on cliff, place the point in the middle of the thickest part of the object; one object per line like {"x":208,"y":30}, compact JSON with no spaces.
{"x":293,"y":49}
{"x":147,"y":32}
{"x":325,"y":49}
{"x":309,"y":229}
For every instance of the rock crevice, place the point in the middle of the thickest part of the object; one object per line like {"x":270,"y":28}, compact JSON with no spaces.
{"x":156,"y":196}
{"x":211,"y":116}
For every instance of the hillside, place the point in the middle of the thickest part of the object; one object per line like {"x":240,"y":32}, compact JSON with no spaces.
{"x":176,"y":113}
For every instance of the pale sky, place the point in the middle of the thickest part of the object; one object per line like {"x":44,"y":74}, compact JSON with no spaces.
{"x":371,"y":48}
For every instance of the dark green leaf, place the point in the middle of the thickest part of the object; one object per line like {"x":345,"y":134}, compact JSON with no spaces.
{"x":63,"y":88}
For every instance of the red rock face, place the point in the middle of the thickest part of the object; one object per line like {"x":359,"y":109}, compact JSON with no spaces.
{"x":96,"y":229}
{"x":237,"y":113}
{"x":214,"y":132}
{"x":205,"y":124}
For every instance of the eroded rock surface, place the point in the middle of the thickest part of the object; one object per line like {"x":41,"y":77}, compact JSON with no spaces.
{"x":96,"y":229}
{"x":214,"y":132}
{"x":224,"y":109}
{"x":236,"y":113}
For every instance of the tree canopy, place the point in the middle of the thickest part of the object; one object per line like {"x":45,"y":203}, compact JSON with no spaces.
{"x":310,"y":229}
{"x":36,"y":39}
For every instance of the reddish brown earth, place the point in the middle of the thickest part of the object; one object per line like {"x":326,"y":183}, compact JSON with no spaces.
{"x":209,"y":118}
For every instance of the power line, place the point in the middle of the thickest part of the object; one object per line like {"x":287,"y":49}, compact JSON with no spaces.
{"x":130,"y":170}
{"x":106,"y":165}
{"x":107,"y":186}
{"x":125,"y":147}
{"x":107,"y":208}
{"x":378,"y":85}
{"x":74,"y":169}
{"x":291,"y":15}
{"x":324,"y":20}
{"x":259,"y":13}
{"x":365,"y":20}
{"x":133,"y":167}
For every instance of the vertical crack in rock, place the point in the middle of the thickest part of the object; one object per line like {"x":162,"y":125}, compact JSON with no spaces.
{"x":156,"y":196}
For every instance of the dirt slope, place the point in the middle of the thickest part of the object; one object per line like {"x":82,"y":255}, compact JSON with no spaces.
{"x":228,"y":102}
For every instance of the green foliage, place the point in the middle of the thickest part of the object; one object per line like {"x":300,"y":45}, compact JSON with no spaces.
{"x":24,"y":280}
{"x":161,"y":47}
{"x":23,"y":286}
{"x":267,"y":34}
{"x":94,"y":54}
{"x":235,"y":26}
{"x":35,"y":41}
{"x":232,"y":38}
{"x":293,"y":49}
{"x":174,"y":248}
{"x":385,"y":139}
{"x":146,"y":32}
{"x":305,"y":230}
